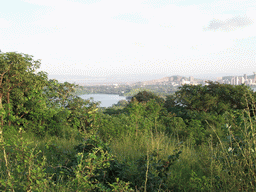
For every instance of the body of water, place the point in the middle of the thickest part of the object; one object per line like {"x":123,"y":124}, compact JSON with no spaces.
{"x":107,"y":100}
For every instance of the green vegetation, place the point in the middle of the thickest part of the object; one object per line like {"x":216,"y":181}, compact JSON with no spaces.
{"x":126,"y":90}
{"x":202,"y":138}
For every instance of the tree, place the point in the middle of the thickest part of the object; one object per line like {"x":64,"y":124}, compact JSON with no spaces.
{"x":70,"y":109}
{"x":19,"y":86}
{"x":59,"y":94}
{"x":83,"y":114}
{"x":214,"y":97}
{"x":145,"y":96}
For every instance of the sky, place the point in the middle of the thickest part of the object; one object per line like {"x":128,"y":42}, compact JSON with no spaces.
{"x":116,"y":37}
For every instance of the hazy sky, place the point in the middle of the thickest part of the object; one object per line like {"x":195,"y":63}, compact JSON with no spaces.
{"x":106,"y":37}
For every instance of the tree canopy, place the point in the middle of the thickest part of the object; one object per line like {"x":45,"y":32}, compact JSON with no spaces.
{"x":20,"y":87}
{"x":30,"y":100}
{"x":214,"y":97}
{"x":145,"y":96}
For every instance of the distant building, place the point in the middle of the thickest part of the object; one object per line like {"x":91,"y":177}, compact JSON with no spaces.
{"x":183,"y":82}
{"x":232,"y":81}
{"x":191,"y":78}
{"x":221,"y":81}
{"x":226,"y":81}
{"x":236,"y":80}
{"x":242,"y":80}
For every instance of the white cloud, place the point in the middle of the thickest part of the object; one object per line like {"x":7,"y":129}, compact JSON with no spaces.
{"x":4,"y":23}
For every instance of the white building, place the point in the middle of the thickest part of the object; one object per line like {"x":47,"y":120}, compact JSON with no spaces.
{"x":184,"y":82}
{"x":242,"y":80}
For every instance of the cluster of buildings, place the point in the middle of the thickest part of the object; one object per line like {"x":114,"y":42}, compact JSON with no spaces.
{"x":179,"y":80}
{"x":239,"y":80}
{"x":174,"y":81}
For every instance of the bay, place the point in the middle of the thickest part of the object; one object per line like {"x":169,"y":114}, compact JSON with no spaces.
{"x":107,"y":100}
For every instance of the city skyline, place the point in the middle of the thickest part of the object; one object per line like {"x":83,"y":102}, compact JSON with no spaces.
{"x":174,"y":80}
{"x":180,"y":80}
{"x":108,"y":38}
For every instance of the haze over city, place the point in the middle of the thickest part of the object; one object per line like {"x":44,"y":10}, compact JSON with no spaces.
{"x":100,"y":38}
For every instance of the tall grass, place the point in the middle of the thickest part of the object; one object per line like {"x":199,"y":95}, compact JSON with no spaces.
{"x":31,"y":164}
{"x":131,"y":148}
{"x":226,"y":165}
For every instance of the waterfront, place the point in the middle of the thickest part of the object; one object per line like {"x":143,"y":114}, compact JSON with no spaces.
{"x":107,"y":100}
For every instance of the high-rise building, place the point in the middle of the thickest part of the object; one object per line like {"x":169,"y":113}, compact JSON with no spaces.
{"x":236,"y":80}
{"x":242,"y":80}
{"x":232,"y":81}
{"x":191,"y":78}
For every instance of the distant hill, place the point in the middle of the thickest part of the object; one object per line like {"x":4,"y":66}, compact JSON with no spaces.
{"x":136,"y":78}
{"x":114,"y":79}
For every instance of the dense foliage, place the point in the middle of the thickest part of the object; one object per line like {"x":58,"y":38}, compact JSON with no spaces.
{"x":126,"y":90}
{"x":202,"y":138}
